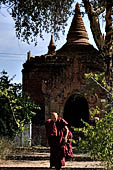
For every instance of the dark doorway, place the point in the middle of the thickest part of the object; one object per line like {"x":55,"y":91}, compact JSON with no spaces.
{"x":76,"y":108}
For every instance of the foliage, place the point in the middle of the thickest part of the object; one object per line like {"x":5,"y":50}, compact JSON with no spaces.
{"x":16,"y":109}
{"x":96,"y":82}
{"x":98,"y":139}
{"x":32,"y":17}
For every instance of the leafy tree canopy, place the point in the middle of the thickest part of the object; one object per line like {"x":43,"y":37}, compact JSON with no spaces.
{"x":16,"y":109}
{"x":32,"y":17}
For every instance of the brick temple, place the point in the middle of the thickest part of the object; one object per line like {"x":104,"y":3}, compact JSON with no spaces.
{"x":54,"y":80}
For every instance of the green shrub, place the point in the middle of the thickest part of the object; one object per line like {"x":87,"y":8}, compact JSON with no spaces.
{"x":98,"y":139}
{"x":16,"y":108}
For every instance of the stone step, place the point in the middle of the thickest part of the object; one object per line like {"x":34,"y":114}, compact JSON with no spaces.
{"x":41,"y":153}
{"x":44,"y":168}
{"x":33,"y":149}
{"x":40,"y":149}
{"x":37,"y":158}
{"x":44,"y":165}
{"x":46,"y":156}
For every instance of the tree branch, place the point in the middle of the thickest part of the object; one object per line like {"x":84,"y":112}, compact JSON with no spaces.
{"x":100,"y":85}
{"x":94,"y":24}
{"x":100,"y":10}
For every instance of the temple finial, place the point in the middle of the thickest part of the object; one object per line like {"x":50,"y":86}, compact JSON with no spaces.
{"x":77,"y":8}
{"x":51,"y":47}
{"x":77,"y":32}
{"x":29,"y":55}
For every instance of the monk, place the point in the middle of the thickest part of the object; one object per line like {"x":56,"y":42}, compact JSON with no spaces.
{"x":58,"y":137}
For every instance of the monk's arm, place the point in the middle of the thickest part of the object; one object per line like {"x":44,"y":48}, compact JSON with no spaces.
{"x":67,"y":130}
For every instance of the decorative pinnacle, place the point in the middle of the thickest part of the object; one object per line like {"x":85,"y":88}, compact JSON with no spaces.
{"x":51,"y":47}
{"x":77,"y":32}
{"x":77,"y":8}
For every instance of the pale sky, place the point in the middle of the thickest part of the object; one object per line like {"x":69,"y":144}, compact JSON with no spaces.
{"x":13,"y":52}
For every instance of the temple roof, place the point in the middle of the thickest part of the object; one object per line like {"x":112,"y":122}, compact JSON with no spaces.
{"x":77,"y":46}
{"x":77,"y":32}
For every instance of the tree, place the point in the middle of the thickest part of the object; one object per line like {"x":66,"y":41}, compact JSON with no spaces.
{"x":97,"y":139}
{"x":16,"y":109}
{"x":33,"y":16}
{"x":102,"y":8}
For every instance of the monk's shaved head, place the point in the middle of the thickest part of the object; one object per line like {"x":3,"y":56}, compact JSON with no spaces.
{"x":54,"y":116}
{"x":54,"y":113}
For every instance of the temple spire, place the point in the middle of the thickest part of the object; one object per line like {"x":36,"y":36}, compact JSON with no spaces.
{"x":51,"y":47}
{"x":77,"y":32}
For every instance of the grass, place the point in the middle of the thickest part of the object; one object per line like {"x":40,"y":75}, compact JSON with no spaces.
{"x":6,"y":147}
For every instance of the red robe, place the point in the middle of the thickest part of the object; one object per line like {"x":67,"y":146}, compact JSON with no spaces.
{"x":59,"y":150}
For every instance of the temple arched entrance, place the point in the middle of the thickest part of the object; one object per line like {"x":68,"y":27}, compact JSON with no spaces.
{"x":75,"y":109}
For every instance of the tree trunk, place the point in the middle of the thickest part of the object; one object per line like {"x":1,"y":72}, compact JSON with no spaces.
{"x":108,"y":41}
{"x":94,"y":25}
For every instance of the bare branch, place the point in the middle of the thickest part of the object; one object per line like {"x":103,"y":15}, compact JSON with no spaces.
{"x":101,"y":85}
{"x":100,"y":10}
